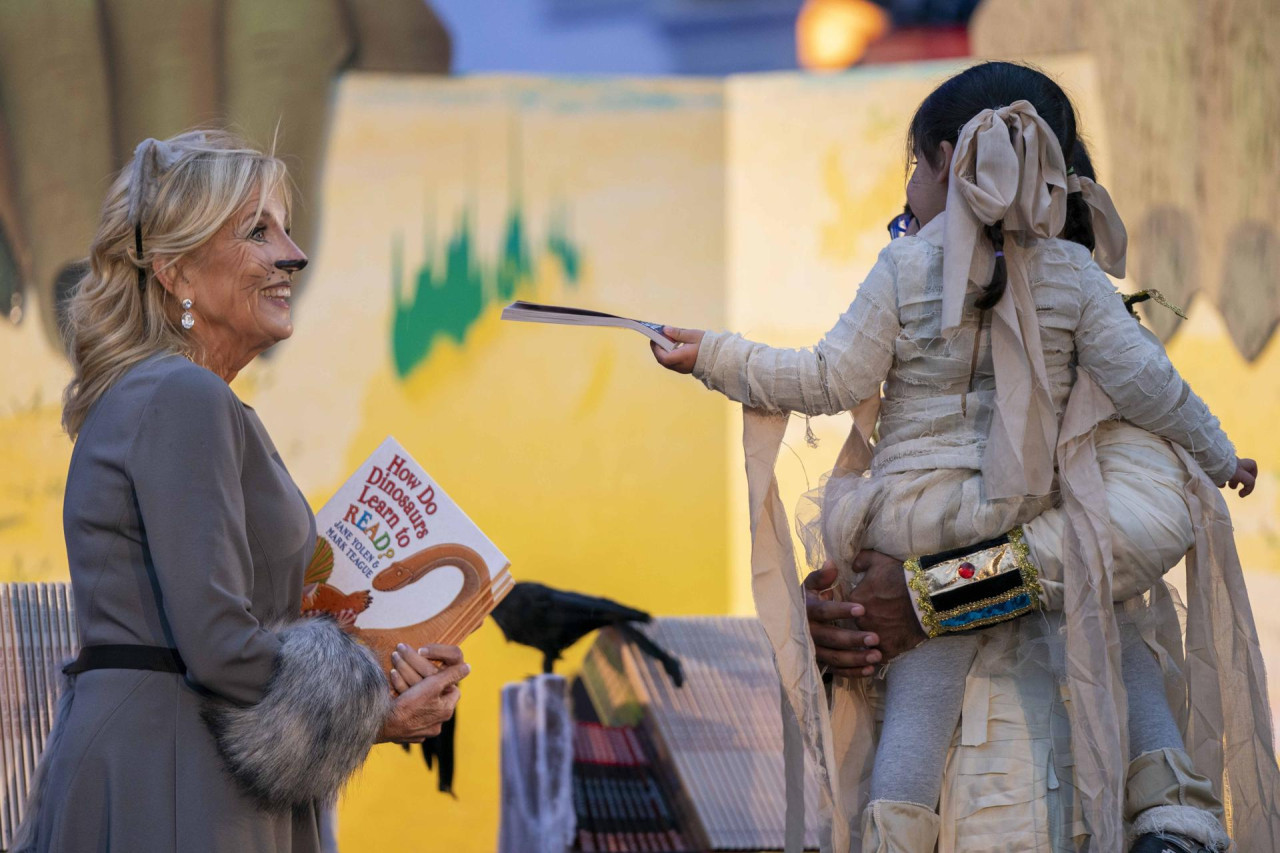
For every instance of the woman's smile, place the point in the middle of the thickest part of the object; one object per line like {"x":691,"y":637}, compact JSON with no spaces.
{"x":278,"y":295}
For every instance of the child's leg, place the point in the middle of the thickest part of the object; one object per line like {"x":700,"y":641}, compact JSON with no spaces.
{"x":1151,"y":723}
{"x":1151,"y":530}
{"x":1163,"y":792}
{"x":924,"y":692}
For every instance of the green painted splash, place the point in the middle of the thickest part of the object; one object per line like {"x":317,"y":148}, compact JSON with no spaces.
{"x":451,"y":293}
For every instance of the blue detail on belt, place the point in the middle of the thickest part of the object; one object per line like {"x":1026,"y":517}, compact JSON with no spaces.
{"x":1005,"y":608}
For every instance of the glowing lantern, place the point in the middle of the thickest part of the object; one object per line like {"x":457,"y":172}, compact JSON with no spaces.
{"x":834,"y":34}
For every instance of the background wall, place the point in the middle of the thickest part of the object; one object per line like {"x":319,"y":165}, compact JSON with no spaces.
{"x":587,"y":465}
{"x":756,"y":203}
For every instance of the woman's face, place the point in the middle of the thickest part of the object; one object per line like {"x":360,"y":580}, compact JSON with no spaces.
{"x":239,"y":284}
{"x":927,"y":187}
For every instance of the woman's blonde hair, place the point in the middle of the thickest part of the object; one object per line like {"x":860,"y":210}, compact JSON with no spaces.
{"x":180,"y":193}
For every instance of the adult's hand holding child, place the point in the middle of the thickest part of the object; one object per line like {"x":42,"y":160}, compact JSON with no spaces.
{"x":840,"y":649}
{"x":881,"y":605}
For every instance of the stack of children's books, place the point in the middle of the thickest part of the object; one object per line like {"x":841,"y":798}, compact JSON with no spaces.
{"x":717,"y":738}
{"x":37,"y":636}
{"x":623,"y":801}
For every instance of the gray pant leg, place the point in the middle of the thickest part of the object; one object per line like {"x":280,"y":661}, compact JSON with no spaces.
{"x":925,"y":688}
{"x":1151,"y":723}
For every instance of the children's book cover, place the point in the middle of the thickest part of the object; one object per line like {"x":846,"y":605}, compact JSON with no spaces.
{"x":397,"y":561}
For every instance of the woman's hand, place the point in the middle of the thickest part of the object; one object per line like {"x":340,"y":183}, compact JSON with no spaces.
{"x":409,"y":666}
{"x":1245,"y":476}
{"x":682,"y":358}
{"x":422,"y":707}
{"x":842,"y":651}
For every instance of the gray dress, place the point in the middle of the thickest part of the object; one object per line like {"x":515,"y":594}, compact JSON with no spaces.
{"x":183,"y":530}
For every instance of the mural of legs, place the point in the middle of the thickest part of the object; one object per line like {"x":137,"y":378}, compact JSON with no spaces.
{"x":1192,"y":113}
{"x":57,"y":111}
{"x":13,"y":265}
{"x":102,"y":76}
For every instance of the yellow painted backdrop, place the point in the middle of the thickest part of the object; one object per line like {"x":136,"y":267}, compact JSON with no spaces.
{"x":755,"y":204}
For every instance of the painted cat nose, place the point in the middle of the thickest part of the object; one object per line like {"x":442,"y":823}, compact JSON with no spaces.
{"x":295,"y":265}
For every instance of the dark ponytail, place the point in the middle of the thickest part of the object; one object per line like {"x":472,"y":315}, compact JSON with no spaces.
{"x":992,"y":85}
{"x":1079,"y":227}
{"x":992,"y":293}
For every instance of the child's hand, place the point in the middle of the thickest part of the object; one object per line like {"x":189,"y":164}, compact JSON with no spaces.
{"x":682,"y":358}
{"x":1244,"y":477}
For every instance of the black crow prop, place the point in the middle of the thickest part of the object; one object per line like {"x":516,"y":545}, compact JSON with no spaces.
{"x":551,"y":620}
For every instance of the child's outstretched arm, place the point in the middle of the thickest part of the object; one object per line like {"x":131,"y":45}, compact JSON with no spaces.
{"x":1134,"y":370}
{"x":846,"y":367}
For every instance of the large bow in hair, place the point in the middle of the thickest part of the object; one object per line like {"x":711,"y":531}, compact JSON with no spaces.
{"x":1111,"y":240}
{"x":1007,"y":167}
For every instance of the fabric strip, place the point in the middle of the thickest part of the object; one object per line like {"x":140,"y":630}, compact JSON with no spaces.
{"x":1111,"y":240}
{"x":1007,"y":167}
{"x":779,"y":600}
{"x":1229,"y":734}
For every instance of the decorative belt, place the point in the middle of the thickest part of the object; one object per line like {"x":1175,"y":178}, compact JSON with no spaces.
{"x":153,"y":658}
{"x":975,"y":586}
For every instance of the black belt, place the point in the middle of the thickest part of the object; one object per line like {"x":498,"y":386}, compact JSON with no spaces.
{"x":153,"y":658}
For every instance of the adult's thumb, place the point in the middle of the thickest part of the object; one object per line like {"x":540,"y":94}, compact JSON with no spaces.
{"x":451,"y":674}
{"x":821,"y":579}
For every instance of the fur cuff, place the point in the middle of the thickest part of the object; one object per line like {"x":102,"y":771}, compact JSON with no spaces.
{"x":1188,"y":821}
{"x":321,"y":712}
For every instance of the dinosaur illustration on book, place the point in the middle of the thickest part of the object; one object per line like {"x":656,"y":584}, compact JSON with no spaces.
{"x":318,"y":596}
{"x":458,"y":619}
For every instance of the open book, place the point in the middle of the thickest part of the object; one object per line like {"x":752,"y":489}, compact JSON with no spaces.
{"x":532,"y":312}
{"x":397,"y":561}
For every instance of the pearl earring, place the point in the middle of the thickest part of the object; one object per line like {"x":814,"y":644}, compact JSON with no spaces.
{"x":188,"y":319}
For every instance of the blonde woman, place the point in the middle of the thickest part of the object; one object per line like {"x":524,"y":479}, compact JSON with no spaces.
{"x":202,"y":713}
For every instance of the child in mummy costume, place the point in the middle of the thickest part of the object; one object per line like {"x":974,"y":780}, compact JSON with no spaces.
{"x":1036,"y":449}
